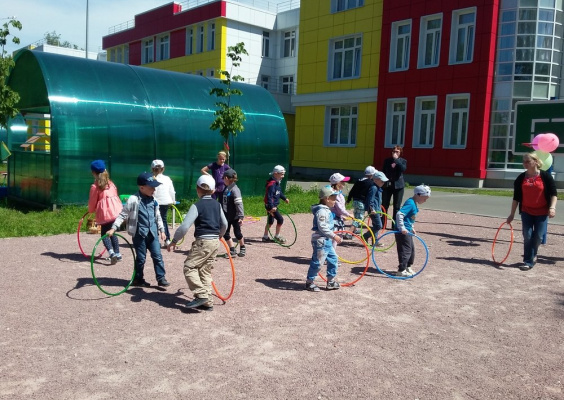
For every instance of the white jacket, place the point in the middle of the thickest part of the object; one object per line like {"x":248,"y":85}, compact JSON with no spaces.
{"x":164,"y":193}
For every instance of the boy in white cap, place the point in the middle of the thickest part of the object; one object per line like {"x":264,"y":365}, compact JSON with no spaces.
{"x":337,"y":182}
{"x":405,"y":219}
{"x":210,"y":224}
{"x":359,"y":194}
{"x":322,"y":241}
{"x":374,"y":203}
{"x":164,"y":194}
{"x":271,"y":202}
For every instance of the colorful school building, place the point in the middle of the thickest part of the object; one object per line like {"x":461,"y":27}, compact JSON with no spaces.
{"x":356,"y":77}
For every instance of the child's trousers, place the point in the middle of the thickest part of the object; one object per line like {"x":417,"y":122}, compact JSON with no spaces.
{"x":322,"y":250}
{"x":198,"y":267}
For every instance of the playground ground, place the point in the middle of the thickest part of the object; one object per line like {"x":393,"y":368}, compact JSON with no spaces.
{"x":465,"y":328}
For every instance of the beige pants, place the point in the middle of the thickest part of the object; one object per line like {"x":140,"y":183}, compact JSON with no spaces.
{"x":198,"y":267}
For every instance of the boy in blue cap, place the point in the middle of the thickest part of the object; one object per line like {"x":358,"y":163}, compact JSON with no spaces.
{"x":145,"y":225}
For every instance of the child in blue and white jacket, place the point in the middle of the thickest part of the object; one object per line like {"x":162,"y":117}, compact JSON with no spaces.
{"x":322,"y":241}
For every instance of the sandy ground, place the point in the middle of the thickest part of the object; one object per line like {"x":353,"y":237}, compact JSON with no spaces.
{"x":465,"y":328}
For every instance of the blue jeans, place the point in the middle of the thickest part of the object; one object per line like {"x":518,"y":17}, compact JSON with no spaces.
{"x":322,"y":249}
{"x":534,"y":228}
{"x":151,"y":243}
{"x":163,"y":210}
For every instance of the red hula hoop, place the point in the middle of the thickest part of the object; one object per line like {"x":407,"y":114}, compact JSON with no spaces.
{"x":225,"y":298}
{"x":510,"y":243}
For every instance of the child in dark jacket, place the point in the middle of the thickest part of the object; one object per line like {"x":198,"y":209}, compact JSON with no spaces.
{"x":271,"y":202}
{"x":232,"y":204}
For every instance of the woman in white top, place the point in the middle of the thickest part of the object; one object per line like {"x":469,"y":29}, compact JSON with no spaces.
{"x":164,"y":193}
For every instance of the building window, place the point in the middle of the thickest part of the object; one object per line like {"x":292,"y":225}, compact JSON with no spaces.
{"x":430,"y":41}
{"x":288,"y":84}
{"x":344,"y":60}
{"x":395,"y":122}
{"x":112,"y":53}
{"x":342,"y":122}
{"x":189,"y":41}
{"x":399,"y":46}
{"x":425,"y":120}
{"x":163,"y":51}
{"x":148,"y":51}
{"x":211,"y":36}
{"x":342,"y":5}
{"x":462,"y":36}
{"x":265,"y":44}
{"x":211,"y":72}
{"x":456,"y":121}
{"x":264,"y":80}
{"x":289,"y":47}
{"x":126,"y":54}
{"x":200,"y":44}
{"x":119,"y":55}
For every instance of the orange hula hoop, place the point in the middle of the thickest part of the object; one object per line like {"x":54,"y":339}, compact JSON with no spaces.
{"x":217,"y":292}
{"x":495,"y":240}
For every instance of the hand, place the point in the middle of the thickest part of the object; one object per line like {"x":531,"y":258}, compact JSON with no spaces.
{"x":338,"y":239}
{"x":273,"y":210}
{"x":551,"y":212}
{"x":241,"y":222}
{"x":162,"y":235}
{"x":509,"y":219}
{"x":404,"y":231}
{"x":110,"y":232}
{"x":393,"y":165}
{"x":287,"y":201}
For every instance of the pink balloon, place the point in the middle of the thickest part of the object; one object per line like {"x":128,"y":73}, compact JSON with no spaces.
{"x":547,"y":142}
{"x":535,"y":141}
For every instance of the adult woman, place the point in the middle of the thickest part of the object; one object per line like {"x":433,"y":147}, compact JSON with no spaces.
{"x":534,"y":191}
{"x":393,"y":168}
{"x":217,"y":169}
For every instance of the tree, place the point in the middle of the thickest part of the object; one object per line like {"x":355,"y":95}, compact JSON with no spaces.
{"x":228,"y":118}
{"x":8,"y":98}
{"x":54,"y":39}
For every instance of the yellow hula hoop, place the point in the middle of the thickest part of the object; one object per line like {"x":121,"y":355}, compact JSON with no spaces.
{"x":174,"y":209}
{"x":383,"y":229}
{"x":366,"y":244}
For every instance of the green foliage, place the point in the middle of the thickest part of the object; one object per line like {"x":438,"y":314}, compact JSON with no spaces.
{"x":229,"y":119}
{"x":8,"y":98}
{"x":54,"y":39}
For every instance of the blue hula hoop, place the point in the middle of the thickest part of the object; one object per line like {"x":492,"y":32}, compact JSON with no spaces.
{"x":402,"y":277}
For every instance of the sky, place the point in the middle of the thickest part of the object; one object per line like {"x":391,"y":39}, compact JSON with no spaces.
{"x":68,"y":18}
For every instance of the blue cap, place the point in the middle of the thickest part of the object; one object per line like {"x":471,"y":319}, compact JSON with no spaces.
{"x":147,"y":179}
{"x":98,"y":166}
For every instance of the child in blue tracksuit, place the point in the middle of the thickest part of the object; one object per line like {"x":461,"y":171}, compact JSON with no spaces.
{"x":322,"y":241}
{"x":405,"y":219}
{"x":271,"y":200}
{"x":374,"y":203}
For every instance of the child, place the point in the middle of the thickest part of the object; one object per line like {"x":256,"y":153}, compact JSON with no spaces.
{"x":232,"y":204}
{"x":271,"y":202}
{"x":216,"y":170}
{"x":405,"y":220}
{"x":322,"y":241}
{"x":104,"y":200}
{"x":339,"y":209}
{"x":145,"y":225}
{"x":210,"y":225}
{"x":359,"y":194}
{"x":373,"y":204}
{"x":164,"y":194}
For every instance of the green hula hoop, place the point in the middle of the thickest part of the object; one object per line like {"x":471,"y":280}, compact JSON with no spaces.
{"x":383,"y":229}
{"x":93,"y":256}
{"x":181,"y":220}
{"x":295,"y":231}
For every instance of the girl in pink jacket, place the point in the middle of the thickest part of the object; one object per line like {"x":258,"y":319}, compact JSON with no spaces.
{"x":105,"y":202}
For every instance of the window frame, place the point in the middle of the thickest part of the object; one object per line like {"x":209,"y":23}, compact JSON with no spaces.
{"x":356,"y":57}
{"x":189,"y":41}
{"x":265,"y":81}
{"x":344,"y":5}
{"x":394,"y":41}
{"x":200,"y":39}
{"x":287,"y":81}
{"x":165,"y":44}
{"x":390,"y":114}
{"x":436,"y":43}
{"x":454,"y":41}
{"x":449,"y":112}
{"x":431,"y":126}
{"x":211,"y":36}
{"x":291,"y":39}
{"x":148,"y":51}
{"x":353,"y":122}
{"x":265,"y":51}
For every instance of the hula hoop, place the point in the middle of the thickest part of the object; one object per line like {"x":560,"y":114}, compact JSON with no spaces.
{"x":380,"y":237}
{"x":78,"y":238}
{"x":510,"y":243}
{"x":225,"y":298}
{"x":92,"y":266}
{"x":295,"y":232}
{"x":385,"y":221}
{"x":250,"y":220}
{"x":181,"y":219}
{"x":365,"y":268}
{"x":403,"y":277}
{"x":362,"y":240}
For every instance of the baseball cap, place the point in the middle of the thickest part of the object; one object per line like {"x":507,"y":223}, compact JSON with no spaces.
{"x":147,"y":179}
{"x":370,"y":170}
{"x":157,"y":163}
{"x":337,"y":177}
{"x":380,"y":175}
{"x":422,"y":190}
{"x":230,"y":173}
{"x":326,"y":191}
{"x":206,"y":180}
{"x":278,"y":170}
{"x":98,"y":166}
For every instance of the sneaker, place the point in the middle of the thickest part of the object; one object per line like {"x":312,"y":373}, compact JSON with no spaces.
{"x":118,"y":256}
{"x":113,"y":259}
{"x":280,"y":239}
{"x":403,"y":274}
{"x":243,"y":251}
{"x":233,"y":252}
{"x":140,"y":282}
{"x":206,"y":307}
{"x":266,"y":239}
{"x":312,"y":287}
{"x":525,"y":267}
{"x":333,"y":285}
{"x":198,"y":301}
{"x":167,"y":242}
{"x":347,"y":236}
{"x":410,"y":271}
{"x":163,"y":283}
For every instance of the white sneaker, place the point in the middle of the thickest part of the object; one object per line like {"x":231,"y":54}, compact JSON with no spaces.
{"x":403,"y":274}
{"x":167,"y":242}
{"x":410,"y":271}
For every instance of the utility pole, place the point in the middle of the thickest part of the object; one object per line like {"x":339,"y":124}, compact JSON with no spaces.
{"x":86,"y":50}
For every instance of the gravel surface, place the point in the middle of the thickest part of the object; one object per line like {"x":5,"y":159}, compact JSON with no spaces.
{"x":465,"y":328}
